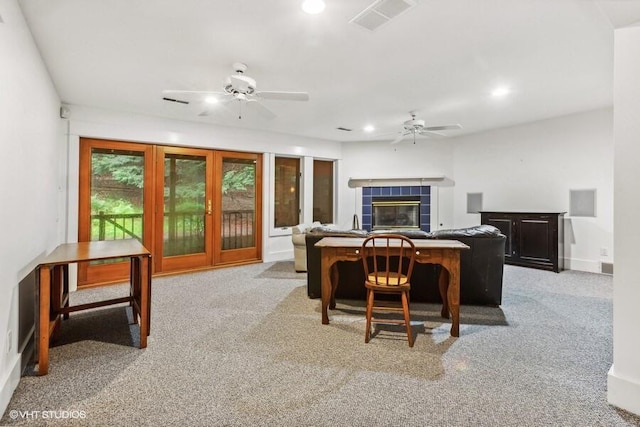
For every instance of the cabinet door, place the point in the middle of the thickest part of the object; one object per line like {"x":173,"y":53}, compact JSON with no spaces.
{"x":505,"y":225}
{"x":536,"y":240}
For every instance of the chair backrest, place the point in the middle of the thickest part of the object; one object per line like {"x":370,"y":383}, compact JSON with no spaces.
{"x":388,"y":256}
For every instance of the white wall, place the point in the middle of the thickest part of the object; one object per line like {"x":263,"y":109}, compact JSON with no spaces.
{"x":105,"y":124}
{"x":624,"y":375}
{"x":379,"y":160}
{"x":31,"y":143}
{"x":526,"y":167}
{"x":532,"y":167}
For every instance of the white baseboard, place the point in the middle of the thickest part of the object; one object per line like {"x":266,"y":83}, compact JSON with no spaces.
{"x":9,"y":384}
{"x":589,"y":266}
{"x":278,"y":256}
{"x":623,"y":393}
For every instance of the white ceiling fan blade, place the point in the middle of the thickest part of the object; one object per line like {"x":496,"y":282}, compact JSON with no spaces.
{"x":399,"y":138}
{"x":260,"y":109}
{"x":222,"y":106}
{"x":194,"y":95}
{"x":190,"y":92}
{"x":431,"y":134}
{"x":284,"y":96}
{"x":445,"y":127}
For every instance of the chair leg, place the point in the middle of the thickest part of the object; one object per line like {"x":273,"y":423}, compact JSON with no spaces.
{"x":407,"y":319}
{"x":370,"y":298}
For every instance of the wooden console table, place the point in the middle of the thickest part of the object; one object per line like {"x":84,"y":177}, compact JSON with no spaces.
{"x":443,"y":252}
{"x":53,"y":295}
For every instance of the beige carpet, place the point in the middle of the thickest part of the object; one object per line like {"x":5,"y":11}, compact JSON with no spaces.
{"x":245,"y":347}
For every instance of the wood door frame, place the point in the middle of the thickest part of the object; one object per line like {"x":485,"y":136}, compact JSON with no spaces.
{"x":191,"y":261}
{"x":235,"y":256}
{"x":109,"y":273}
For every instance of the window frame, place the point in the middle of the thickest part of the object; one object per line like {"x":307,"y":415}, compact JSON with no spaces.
{"x":284,"y":230}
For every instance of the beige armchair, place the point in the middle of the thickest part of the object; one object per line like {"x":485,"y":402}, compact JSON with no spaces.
{"x":299,"y":245}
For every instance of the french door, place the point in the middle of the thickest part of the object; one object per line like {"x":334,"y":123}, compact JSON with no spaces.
{"x":183,"y":208}
{"x":238,"y":219}
{"x":114,"y":202}
{"x":192,"y":208}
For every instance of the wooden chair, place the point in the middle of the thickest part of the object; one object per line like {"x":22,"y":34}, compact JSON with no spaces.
{"x":388,"y":263}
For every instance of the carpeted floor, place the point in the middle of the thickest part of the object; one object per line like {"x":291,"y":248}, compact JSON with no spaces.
{"x":245,"y":346}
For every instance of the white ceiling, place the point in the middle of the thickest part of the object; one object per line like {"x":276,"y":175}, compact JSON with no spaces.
{"x":441,"y":59}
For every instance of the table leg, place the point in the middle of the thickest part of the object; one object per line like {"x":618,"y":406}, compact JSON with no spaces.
{"x":335,"y":277}
{"x":454,"y":297}
{"x":149,"y":273}
{"x":65,"y":288}
{"x":443,"y":286}
{"x":325,"y":280}
{"x":57,"y":296}
{"x":44,"y":302}
{"x":134,"y":287}
{"x":143,"y":283}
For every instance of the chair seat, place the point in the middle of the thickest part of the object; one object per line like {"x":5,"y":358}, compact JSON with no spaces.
{"x":388,"y":289}
{"x":388,"y":279}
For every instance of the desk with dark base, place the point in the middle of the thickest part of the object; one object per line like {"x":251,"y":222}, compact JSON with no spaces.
{"x":53,"y":297}
{"x":443,"y":252}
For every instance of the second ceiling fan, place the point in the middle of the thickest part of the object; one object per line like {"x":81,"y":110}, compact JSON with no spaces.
{"x":416,"y":127}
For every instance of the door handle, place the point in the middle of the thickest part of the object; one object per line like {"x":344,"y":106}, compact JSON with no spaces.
{"x":209,"y":208}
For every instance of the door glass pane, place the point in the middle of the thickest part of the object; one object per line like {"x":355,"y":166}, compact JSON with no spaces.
{"x":117,"y":183}
{"x":287,"y":201}
{"x":238,"y":203}
{"x":323,"y":191}
{"x":184,"y":204}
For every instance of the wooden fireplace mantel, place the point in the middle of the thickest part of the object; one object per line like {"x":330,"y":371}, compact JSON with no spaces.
{"x":435,"y":179}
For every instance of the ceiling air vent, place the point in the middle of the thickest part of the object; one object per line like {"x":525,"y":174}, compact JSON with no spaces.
{"x":344,"y":129}
{"x":381,"y":12}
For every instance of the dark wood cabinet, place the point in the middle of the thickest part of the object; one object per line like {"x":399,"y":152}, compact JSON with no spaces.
{"x":534,"y":239}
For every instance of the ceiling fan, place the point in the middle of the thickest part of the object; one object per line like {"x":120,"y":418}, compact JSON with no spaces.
{"x":416,"y":127}
{"x":242,"y":89}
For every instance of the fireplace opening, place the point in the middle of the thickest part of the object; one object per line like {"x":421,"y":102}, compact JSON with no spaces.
{"x":390,"y":212}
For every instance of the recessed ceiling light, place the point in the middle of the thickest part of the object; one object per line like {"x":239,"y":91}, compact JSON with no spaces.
{"x":500,"y":91}
{"x":369,"y":128}
{"x":313,"y":7}
{"x":211,"y":100}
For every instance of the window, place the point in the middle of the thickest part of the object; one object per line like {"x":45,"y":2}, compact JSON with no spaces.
{"x":287,"y":192}
{"x":323,"y":191}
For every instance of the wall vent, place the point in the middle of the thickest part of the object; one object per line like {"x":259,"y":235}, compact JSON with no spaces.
{"x":381,"y":12}
{"x":582,"y":203}
{"x":606,"y":267}
{"x":474,"y":202}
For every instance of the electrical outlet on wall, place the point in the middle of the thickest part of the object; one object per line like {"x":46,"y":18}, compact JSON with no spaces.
{"x":604,"y":252}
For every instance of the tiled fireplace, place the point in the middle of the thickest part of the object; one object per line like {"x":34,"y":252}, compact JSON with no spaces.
{"x":396,"y":207}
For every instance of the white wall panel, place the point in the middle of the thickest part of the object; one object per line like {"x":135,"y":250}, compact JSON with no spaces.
{"x":32,"y":143}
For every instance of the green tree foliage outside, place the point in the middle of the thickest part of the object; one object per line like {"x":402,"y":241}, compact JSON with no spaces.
{"x":118,"y":180}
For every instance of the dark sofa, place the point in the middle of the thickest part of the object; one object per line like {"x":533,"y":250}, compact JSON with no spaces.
{"x":481,"y":266}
